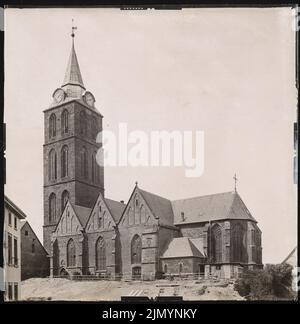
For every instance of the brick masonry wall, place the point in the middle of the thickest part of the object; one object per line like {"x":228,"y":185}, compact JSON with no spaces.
{"x":81,"y":191}
{"x":34,"y":263}
{"x":109,"y":238}
{"x":193,"y":230}
{"x":165,"y":236}
{"x":81,"y":251}
{"x":189,"y":265}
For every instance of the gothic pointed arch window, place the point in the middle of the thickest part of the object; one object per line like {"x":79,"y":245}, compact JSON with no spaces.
{"x":130,"y":216}
{"x":52,"y":165}
{"x":165,"y":268}
{"x":143,"y":214}
{"x":83,"y":123}
{"x":65,"y":121}
{"x":94,"y":127}
{"x":52,"y":125}
{"x":64,"y":199}
{"x":64,"y":161}
{"x":93,"y":162}
{"x":237,"y":243}
{"x":216,"y":242}
{"x":100,"y":254}
{"x":71,"y":253}
{"x":83,"y":163}
{"x":136,"y":250}
{"x":52,"y":207}
{"x":55,"y":249}
{"x":97,"y":171}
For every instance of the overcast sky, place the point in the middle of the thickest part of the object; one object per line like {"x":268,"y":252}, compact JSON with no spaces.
{"x":227,"y":72}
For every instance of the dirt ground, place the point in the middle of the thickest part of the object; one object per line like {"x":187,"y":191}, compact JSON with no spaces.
{"x":64,"y":289}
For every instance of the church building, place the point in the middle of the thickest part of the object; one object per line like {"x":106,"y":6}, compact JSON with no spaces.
{"x":86,"y":233}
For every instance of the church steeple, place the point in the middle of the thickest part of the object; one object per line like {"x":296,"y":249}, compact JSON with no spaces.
{"x":73,"y":83}
{"x":73,"y":74}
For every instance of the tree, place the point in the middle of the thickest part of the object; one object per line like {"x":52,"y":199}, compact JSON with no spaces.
{"x":273,"y":282}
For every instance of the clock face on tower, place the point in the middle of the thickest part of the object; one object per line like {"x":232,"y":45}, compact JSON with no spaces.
{"x":59,"y":95}
{"x":89,"y":99}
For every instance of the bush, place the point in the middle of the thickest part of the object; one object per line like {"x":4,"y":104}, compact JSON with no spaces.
{"x":273,"y":282}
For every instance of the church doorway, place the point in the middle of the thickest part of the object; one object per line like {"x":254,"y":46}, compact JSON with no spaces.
{"x":201,"y":269}
{"x":136,"y":273}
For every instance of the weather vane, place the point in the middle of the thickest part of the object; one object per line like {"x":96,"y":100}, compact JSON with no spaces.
{"x":235,"y":181}
{"x":73,"y":29}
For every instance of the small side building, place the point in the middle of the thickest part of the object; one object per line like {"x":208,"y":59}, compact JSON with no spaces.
{"x":11,"y":248}
{"x":184,"y":256}
{"x":34,"y":259}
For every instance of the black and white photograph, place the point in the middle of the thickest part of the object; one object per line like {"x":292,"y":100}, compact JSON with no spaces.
{"x":150,"y":154}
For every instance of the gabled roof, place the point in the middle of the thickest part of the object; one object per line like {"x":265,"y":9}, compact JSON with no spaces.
{"x":73,"y":74}
{"x":181,"y":247}
{"x":228,"y":205}
{"x":82,"y":214}
{"x":23,"y":227}
{"x":116,"y":208}
{"x":10,"y":204}
{"x":160,"y":207}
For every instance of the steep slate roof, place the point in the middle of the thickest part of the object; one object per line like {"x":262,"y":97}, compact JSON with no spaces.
{"x":116,"y":208}
{"x":160,"y":207}
{"x":198,"y":242}
{"x":228,"y":205}
{"x":181,"y":247}
{"x":82,"y":213}
{"x":73,"y":74}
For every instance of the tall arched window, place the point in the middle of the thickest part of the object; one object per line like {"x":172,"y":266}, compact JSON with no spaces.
{"x":52,"y":165}
{"x":97,"y":170}
{"x":71,"y":254}
{"x":237,"y":243}
{"x":94,"y":127}
{"x":52,"y":207}
{"x":165,"y":268}
{"x":180,"y":267}
{"x":52,"y":125}
{"x":136,"y":250}
{"x":65,"y":121}
{"x":64,"y":199}
{"x":83,"y":123}
{"x":64,"y":161}
{"x":83,"y":163}
{"x":93,"y":168}
{"x":100,"y":254}
{"x":130,"y":216}
{"x":216,"y":242}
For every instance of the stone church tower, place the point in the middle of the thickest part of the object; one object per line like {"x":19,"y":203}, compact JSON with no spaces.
{"x":70,"y":170}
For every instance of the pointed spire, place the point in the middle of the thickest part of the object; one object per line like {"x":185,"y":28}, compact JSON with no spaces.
{"x":73,"y":84}
{"x":73,"y":75}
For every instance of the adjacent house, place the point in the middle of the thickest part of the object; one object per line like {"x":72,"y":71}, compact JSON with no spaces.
{"x":13,"y":216}
{"x":34,"y":259}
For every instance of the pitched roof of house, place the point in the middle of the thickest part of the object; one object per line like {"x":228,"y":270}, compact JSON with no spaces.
{"x":160,"y":207}
{"x":17,"y":210}
{"x":184,"y":247}
{"x":82,"y":213}
{"x":23,"y":227}
{"x":228,"y":205}
{"x":116,"y":208}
